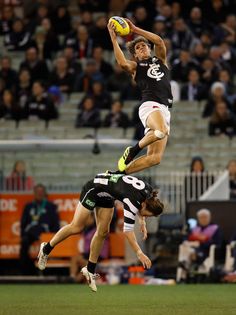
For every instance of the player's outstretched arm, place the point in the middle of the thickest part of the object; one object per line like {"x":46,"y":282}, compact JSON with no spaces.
{"x":134,"y":244}
{"x":127,"y":65}
{"x":159,"y":45}
{"x":143,"y":227}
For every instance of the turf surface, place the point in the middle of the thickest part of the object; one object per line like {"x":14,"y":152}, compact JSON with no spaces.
{"x":117,"y":300}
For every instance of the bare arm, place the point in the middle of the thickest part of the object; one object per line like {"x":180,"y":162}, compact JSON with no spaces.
{"x":159,"y":45}
{"x":143,"y":227}
{"x":127,"y":65}
{"x":135,"y":246}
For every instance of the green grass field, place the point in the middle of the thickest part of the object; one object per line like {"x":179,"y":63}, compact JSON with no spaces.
{"x":117,"y":300}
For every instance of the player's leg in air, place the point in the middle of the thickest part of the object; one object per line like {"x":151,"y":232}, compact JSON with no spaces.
{"x":157,"y":124}
{"x":75,"y":227}
{"x":103,"y":220}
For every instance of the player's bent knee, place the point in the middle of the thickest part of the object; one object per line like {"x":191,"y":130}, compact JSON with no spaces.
{"x":160,"y":134}
{"x":75,"y":229}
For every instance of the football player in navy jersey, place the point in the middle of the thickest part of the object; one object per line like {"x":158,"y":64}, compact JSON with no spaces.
{"x":98,"y":195}
{"x":152,"y":76}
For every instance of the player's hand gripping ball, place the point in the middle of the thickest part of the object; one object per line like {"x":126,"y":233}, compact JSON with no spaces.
{"x":121,"y":25}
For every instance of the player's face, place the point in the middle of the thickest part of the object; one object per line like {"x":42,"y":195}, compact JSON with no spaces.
{"x":145,"y":212}
{"x":142,"y":51}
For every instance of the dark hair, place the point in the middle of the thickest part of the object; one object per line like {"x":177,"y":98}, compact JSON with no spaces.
{"x":117,"y":100}
{"x":40,"y":186}
{"x":17,"y":162}
{"x":131,"y":45}
{"x":41,"y":83}
{"x":197,"y":159}
{"x":153,"y":204}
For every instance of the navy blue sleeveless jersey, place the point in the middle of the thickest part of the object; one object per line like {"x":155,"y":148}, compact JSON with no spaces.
{"x":153,"y":79}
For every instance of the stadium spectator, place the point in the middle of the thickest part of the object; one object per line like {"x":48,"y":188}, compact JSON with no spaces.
{"x":228,"y":55}
{"x":159,"y":28}
{"x":42,"y":12}
{"x":9,"y":109}
{"x":74,"y":66}
{"x":45,"y":40}
{"x":130,"y":6}
{"x":101,"y":97}
{"x":61,"y":76}
{"x":182,"y":66}
{"x":7,"y":18}
{"x":230,"y":28}
{"x":18,"y":179}
{"x":198,"y":180}
{"x":87,"y":20}
{"x":116,"y":7}
{"x":209,"y":72}
{"x":81,"y":42}
{"x":104,"y":67}
{"x":100,"y":33}
{"x":182,"y":38}
{"x":215,"y":54}
{"x":116,"y":117}
{"x":165,"y":15}
{"x":199,"y":239}
{"x":142,"y":18}
{"x":40,"y":105}
{"x":232,"y":178}
{"x":131,"y":92}
{"x":193,"y":90}
{"x":222,"y":121}
{"x":18,"y":38}
{"x":217,"y":94}
{"x":199,"y":53}
{"x":224,"y":77}
{"x":217,"y":11}
{"x":118,"y":80}
{"x":38,"y":68}
{"x":7,"y":74}
{"x":89,"y":75}
{"x":207,"y":40}
{"x":38,"y":216}
{"x":197,"y":24}
{"x":89,"y":115}
{"x":176,"y":10}
{"x":62,"y":20}
{"x":23,"y":87}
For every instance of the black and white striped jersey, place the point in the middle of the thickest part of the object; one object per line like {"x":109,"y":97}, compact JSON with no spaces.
{"x":128,"y":189}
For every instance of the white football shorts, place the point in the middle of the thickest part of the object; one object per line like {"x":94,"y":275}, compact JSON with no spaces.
{"x":148,"y":107}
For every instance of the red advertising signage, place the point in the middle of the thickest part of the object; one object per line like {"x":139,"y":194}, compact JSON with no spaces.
{"x":11,"y":208}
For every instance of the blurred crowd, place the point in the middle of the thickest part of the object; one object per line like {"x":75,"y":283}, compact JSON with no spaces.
{"x":67,"y":50}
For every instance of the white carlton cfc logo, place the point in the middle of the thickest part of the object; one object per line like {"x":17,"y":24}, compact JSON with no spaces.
{"x":154,"y":73}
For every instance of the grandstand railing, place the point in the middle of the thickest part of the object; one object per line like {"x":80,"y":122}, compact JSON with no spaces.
{"x":176,"y":188}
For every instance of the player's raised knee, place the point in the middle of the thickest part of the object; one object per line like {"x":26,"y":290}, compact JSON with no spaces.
{"x":75,"y":229}
{"x":161,"y":134}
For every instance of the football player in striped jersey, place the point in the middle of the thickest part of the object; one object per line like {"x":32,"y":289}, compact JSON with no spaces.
{"x":98,"y":195}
